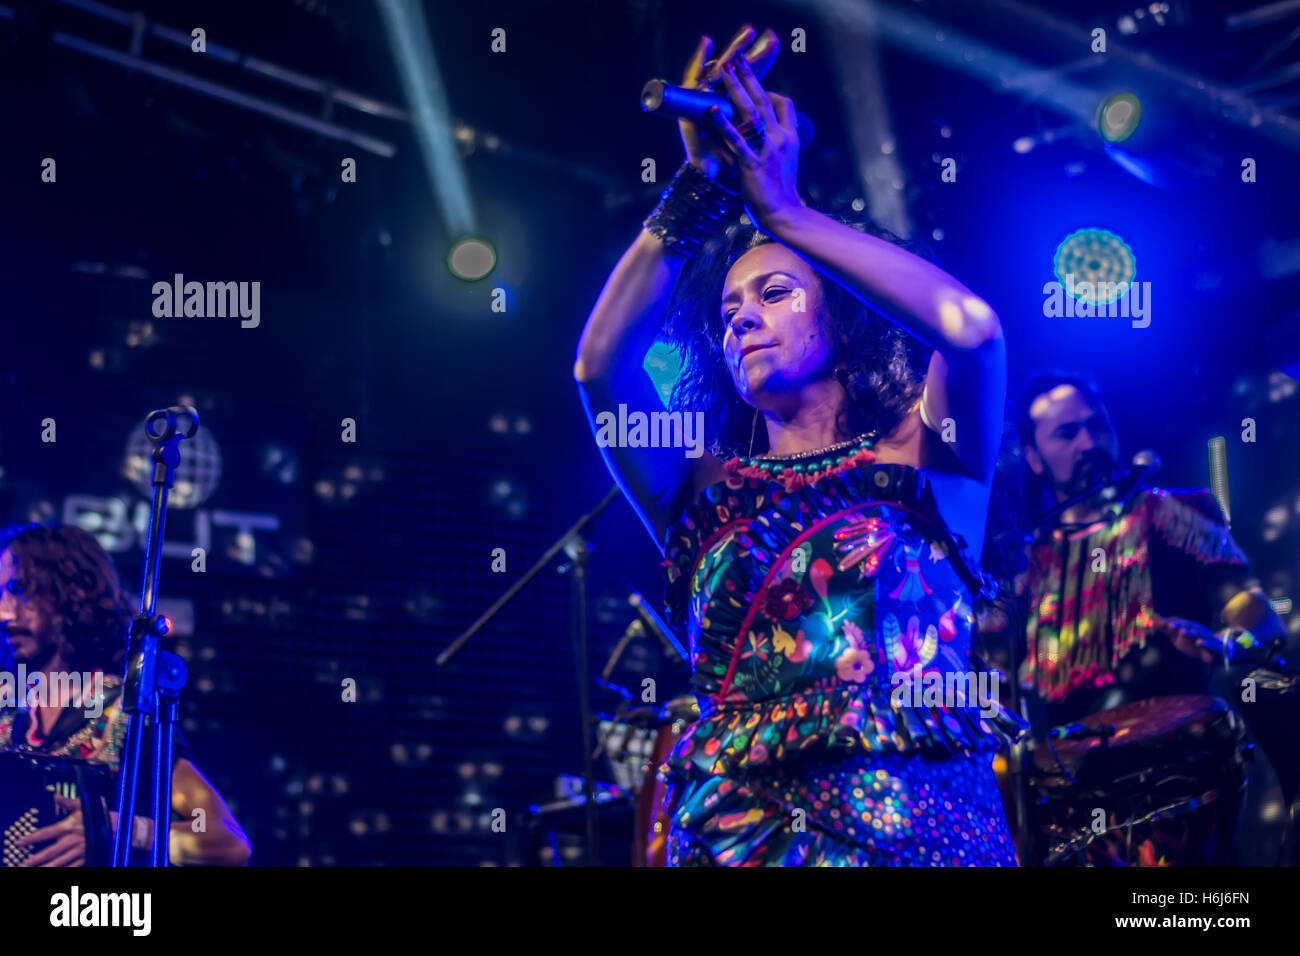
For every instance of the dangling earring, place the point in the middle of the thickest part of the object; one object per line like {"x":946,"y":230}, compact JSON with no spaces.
{"x":753,"y":428}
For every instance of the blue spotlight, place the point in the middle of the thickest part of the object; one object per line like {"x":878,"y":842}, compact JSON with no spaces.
{"x":426,"y":97}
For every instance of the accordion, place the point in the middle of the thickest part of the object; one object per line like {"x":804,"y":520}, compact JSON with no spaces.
{"x":28,"y":785}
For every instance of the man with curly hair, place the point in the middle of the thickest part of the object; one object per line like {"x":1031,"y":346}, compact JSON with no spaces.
{"x":65,"y":615}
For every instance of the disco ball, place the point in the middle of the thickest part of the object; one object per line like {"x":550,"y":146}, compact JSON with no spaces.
{"x":197,"y":475}
{"x":1096,"y":256}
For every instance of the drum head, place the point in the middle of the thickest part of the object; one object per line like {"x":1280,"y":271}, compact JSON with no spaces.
{"x":1140,"y":725}
{"x":1162,"y":789}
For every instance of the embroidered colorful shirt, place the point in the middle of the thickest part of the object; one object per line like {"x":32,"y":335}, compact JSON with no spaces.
{"x":1093,"y":590}
{"x":830,"y":624}
{"x":807,"y":608}
{"x":99,"y":738}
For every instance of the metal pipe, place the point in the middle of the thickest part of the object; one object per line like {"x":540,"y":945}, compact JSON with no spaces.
{"x":293,"y":117}
{"x":274,"y":71}
{"x":1227,"y":103}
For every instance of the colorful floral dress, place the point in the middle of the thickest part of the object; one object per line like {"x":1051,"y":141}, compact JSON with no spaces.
{"x":841,"y":723}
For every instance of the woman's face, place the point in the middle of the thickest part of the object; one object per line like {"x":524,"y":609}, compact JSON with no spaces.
{"x":776,"y":338}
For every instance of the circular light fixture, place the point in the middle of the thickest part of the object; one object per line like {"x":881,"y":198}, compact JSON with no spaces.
{"x":471,"y":259}
{"x":1118,"y":117}
{"x":1098,"y":257}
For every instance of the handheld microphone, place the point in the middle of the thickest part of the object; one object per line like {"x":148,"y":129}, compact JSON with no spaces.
{"x":661,"y":98}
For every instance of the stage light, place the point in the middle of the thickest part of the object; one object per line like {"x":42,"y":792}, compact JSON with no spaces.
{"x":1275,"y":523}
{"x":426,"y":97}
{"x":1165,"y":142}
{"x":1095,"y":256}
{"x":663,"y":364}
{"x":505,"y":495}
{"x":1118,"y":117}
{"x":471,"y":259}
{"x":1280,"y":387}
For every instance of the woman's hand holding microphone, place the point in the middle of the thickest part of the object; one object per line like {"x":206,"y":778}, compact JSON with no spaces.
{"x":758,"y":155}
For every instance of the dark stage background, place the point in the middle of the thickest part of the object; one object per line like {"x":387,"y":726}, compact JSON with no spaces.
{"x":363,"y":559}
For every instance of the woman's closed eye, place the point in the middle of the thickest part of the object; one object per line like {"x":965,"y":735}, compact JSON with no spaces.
{"x":772,"y":294}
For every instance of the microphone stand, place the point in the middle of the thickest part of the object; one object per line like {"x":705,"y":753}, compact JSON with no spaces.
{"x":1110,"y":482}
{"x":575,"y":546}
{"x":1019,"y":751}
{"x":154,"y":677}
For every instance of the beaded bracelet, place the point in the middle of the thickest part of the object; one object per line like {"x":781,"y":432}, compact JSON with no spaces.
{"x":690,"y":211}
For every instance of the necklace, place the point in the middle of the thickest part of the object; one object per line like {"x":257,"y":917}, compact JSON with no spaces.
{"x":796,"y":470}
{"x":816,"y":452}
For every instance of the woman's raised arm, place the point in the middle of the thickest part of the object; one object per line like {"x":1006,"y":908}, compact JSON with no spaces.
{"x":967,"y":377}
{"x":627,"y":318}
{"x":620,"y":330}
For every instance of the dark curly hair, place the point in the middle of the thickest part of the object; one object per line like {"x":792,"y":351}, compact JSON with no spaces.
{"x":70,"y":576}
{"x":879,"y":361}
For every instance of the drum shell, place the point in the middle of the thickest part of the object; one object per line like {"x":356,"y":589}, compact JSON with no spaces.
{"x":1168,"y":789}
